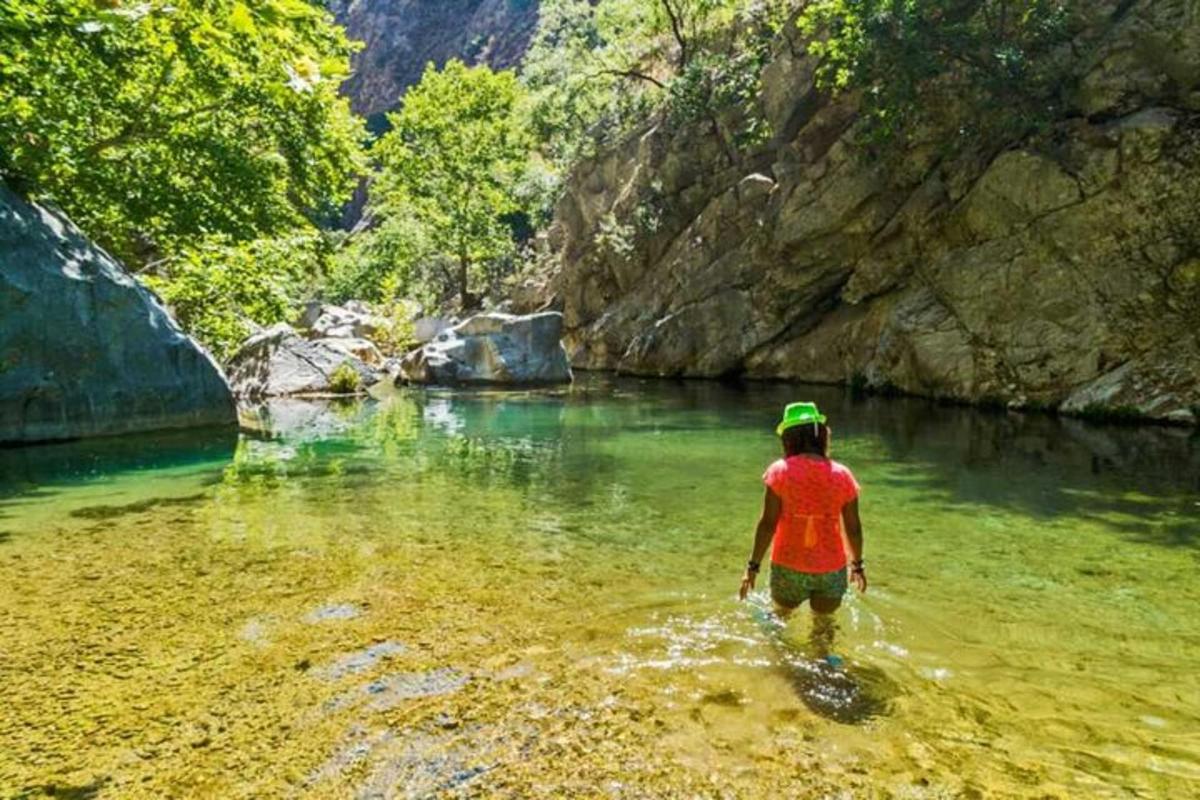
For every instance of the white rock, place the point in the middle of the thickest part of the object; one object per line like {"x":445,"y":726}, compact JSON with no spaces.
{"x":493,"y":349}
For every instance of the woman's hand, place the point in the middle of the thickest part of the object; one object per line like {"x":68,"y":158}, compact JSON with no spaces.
{"x":747,"y":584}
{"x":858,"y":577}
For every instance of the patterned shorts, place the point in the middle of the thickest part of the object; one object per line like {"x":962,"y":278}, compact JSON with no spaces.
{"x":791,"y":588}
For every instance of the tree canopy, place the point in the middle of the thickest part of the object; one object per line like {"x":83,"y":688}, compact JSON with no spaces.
{"x":987,"y":70}
{"x":155,"y":123}
{"x":452,"y":162}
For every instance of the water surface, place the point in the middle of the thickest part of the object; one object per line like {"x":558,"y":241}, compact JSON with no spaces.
{"x":524,"y":595}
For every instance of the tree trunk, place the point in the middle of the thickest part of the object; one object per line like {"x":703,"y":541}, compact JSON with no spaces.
{"x":464,"y":297}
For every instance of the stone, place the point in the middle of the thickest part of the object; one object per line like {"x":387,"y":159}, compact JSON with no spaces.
{"x":279,"y":362}
{"x":346,"y":322}
{"x":426,"y":329}
{"x":309,"y":316}
{"x":493,"y":348}
{"x":362,"y":349}
{"x":86,"y":350}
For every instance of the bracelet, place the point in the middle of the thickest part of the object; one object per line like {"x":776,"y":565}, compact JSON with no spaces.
{"x":753,"y":566}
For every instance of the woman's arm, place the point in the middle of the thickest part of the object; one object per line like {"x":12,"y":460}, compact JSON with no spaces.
{"x":763,"y":534}
{"x":852,"y":525}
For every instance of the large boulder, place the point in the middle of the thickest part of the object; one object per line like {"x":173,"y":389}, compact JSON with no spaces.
{"x":493,"y":349}
{"x":85,"y":350}
{"x":279,"y":362}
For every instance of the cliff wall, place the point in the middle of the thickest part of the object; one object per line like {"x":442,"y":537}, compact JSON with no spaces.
{"x":1063,"y":276}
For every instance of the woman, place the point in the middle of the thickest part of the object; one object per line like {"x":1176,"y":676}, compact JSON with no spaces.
{"x":810,"y":510}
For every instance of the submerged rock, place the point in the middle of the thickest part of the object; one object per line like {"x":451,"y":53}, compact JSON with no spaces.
{"x":280,"y":362}
{"x":493,"y":349}
{"x":85,"y":350}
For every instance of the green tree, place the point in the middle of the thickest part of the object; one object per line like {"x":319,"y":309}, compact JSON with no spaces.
{"x":991,"y":71}
{"x":219,"y":290}
{"x":158,"y":122}
{"x":597,"y":70}
{"x":453,"y":161}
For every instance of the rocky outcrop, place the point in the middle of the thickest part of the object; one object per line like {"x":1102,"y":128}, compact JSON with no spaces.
{"x":279,"y":362}
{"x":1064,"y":277}
{"x":401,"y":36}
{"x":352,"y":321}
{"x":493,"y":349}
{"x":85,"y":350}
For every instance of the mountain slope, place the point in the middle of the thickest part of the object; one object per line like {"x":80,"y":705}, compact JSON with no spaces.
{"x":402,"y":36}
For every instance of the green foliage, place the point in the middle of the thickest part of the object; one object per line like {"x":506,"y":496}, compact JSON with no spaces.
{"x":596,"y":71}
{"x":345,"y":380}
{"x":393,"y":258}
{"x":158,"y":123}
{"x":448,"y":187}
{"x":989,"y":70}
{"x":574,"y":70}
{"x":218,"y":289}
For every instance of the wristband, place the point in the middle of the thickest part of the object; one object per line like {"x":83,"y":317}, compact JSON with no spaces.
{"x":753,"y":566}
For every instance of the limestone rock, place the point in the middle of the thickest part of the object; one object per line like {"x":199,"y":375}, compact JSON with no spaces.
{"x":401,"y":36}
{"x":493,"y":348}
{"x":85,"y":350}
{"x":362,"y":349}
{"x":352,"y":321}
{"x":426,"y":329}
{"x":1057,"y":277}
{"x":280,"y":362}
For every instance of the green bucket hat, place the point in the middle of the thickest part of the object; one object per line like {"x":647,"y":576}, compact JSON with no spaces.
{"x":799,"y":414}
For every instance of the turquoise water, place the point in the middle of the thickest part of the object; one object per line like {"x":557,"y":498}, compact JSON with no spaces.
{"x":516,"y":595}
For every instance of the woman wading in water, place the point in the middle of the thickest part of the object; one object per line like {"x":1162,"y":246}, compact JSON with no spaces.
{"x":810,"y":510}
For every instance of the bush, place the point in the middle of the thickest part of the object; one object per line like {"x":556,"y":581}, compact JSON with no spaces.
{"x":345,"y":380}
{"x":217,"y":290}
{"x":989,"y":71}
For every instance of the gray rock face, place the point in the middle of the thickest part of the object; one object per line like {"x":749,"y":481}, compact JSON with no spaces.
{"x":85,"y":350}
{"x":280,"y":362}
{"x":1068,"y":279}
{"x":493,"y":349}
{"x":401,"y":36}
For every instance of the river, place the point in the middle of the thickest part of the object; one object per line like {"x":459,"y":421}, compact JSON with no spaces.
{"x":533,"y":594}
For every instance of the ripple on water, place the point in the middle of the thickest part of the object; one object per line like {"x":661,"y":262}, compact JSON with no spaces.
{"x":333,"y":613}
{"x":407,"y":763}
{"x":391,"y":690}
{"x":361,"y":660}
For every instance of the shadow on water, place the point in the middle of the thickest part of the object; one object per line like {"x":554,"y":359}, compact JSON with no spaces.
{"x":850,"y":694}
{"x":34,"y":471}
{"x":112,"y":512}
{"x":83,"y":792}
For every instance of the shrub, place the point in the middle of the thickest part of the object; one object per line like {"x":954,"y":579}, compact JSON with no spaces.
{"x":345,"y":380}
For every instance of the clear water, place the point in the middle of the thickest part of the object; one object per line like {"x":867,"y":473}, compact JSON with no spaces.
{"x":533,"y":595}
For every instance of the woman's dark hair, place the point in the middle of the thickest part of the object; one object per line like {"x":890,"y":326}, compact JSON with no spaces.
{"x":806,"y":440}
